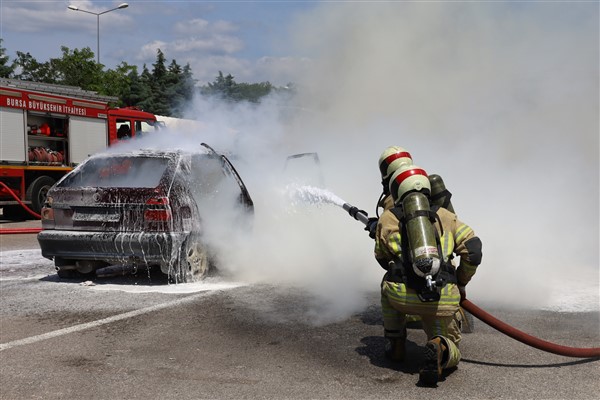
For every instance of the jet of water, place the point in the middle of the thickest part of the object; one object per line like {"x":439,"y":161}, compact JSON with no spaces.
{"x":312,"y":195}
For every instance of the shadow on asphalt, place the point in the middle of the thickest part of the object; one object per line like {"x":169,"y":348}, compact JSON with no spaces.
{"x":143,"y":277}
{"x":374,"y":348}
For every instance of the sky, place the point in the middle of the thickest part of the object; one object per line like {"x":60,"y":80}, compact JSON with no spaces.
{"x":501,"y":99}
{"x":246,"y":39}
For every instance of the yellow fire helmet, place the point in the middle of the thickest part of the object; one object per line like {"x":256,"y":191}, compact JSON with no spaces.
{"x":407,"y":179}
{"x":391,"y":159}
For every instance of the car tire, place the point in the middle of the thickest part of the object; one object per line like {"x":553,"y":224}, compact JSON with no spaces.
{"x":37,"y":192}
{"x":68,"y":274}
{"x":194,"y":263}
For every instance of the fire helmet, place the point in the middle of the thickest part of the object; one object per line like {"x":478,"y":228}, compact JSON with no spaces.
{"x":391,"y":159}
{"x":408,"y":179}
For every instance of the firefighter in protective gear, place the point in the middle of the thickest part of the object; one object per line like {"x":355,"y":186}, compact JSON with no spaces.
{"x":390,"y":160}
{"x":403,"y":291}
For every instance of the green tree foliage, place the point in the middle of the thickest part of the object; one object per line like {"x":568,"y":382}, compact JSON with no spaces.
{"x":6,"y":70}
{"x":158,"y":84}
{"x":29,"y":69}
{"x":118,"y":82}
{"x":226,"y":88}
{"x":164,"y":90}
{"x":78,"y":68}
{"x":137,"y":91}
{"x":180,"y":88}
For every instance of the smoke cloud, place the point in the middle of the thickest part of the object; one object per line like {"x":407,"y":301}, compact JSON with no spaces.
{"x":501,"y":100}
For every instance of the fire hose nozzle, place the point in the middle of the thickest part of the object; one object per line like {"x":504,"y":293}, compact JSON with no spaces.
{"x":357,"y":214}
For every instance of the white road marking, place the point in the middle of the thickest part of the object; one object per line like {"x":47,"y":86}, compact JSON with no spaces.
{"x":93,"y":324}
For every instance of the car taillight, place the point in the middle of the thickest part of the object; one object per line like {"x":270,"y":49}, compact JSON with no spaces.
{"x":159,"y":210}
{"x":47,"y":214}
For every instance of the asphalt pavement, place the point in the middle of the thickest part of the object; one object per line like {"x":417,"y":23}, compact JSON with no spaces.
{"x":75,"y":339}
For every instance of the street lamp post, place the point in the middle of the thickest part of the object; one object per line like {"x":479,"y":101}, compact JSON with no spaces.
{"x":75,"y":8}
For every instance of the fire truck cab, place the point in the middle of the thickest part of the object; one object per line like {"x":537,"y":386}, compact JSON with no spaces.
{"x":46,"y":130}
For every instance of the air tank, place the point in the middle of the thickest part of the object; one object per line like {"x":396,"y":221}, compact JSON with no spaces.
{"x":421,"y":234}
{"x":440,"y":196}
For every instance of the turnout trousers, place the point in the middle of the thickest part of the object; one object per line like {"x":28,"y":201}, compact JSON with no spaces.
{"x":440,"y":318}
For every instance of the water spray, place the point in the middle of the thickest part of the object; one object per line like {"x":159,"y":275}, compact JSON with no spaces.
{"x":317,"y":196}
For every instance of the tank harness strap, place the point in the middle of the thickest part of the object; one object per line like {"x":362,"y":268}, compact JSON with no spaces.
{"x":447,"y":272}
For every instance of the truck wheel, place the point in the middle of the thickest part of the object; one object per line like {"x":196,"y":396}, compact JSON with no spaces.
{"x":37,"y":192}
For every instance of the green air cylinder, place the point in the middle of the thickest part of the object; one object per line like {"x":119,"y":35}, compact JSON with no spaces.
{"x":421,"y":234}
{"x":440,"y":196}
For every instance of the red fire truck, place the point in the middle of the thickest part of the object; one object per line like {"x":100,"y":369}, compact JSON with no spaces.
{"x":46,"y":130}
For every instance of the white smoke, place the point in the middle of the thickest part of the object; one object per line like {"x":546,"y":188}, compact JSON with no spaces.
{"x":500,"y":99}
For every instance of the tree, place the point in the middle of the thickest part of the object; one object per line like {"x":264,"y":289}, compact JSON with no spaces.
{"x":159,"y":102}
{"x":118,"y":82}
{"x":253,"y":92}
{"x":79,"y":68}
{"x":27,"y":68}
{"x":142,"y":96}
{"x":223,"y":87}
{"x":6,"y":70}
{"x":180,"y":87}
{"x":226,"y":88}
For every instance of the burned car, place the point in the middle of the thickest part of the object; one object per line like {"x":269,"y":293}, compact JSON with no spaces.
{"x":140,"y":209}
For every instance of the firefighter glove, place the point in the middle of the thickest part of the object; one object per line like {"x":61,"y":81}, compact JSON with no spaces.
{"x":371,"y":227}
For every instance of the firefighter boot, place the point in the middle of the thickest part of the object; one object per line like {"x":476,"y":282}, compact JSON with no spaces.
{"x":395,"y":349}
{"x":435,"y":350}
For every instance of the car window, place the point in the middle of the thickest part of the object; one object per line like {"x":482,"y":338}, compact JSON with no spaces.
{"x":207,"y":174}
{"x":133,"y":172}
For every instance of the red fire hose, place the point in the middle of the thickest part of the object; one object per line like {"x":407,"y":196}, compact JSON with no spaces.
{"x":528,"y":339}
{"x":30,"y":211}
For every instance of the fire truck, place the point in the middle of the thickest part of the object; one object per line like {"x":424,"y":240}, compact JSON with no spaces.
{"x":47,"y":129}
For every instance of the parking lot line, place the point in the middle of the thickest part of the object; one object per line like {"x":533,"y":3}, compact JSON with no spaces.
{"x":104,"y":321}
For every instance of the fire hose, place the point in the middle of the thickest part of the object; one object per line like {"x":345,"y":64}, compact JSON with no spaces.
{"x":592,"y":352}
{"x":30,"y":211}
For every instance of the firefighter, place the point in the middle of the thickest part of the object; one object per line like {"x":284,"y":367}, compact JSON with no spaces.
{"x":390,"y":160}
{"x":410,"y":286}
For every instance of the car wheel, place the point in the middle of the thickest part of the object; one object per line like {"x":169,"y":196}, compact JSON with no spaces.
{"x":194,"y":263}
{"x":70,"y":274}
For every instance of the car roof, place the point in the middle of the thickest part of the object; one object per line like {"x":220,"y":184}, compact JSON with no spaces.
{"x":150,"y":153}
